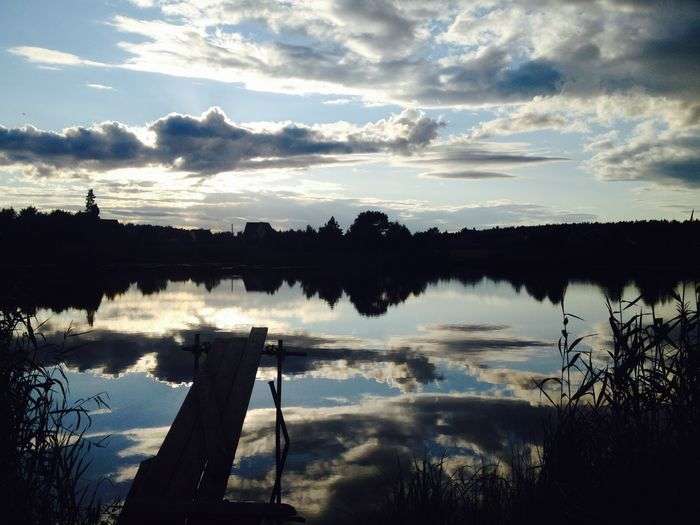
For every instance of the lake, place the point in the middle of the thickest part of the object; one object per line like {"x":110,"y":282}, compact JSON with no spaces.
{"x":395,"y":367}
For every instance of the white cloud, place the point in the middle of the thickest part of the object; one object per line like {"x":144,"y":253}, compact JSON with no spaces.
{"x":100,"y":87}
{"x":665,"y":156}
{"x":143,"y":3}
{"x":430,"y":54}
{"x":337,"y":102}
{"x":40,"y":55}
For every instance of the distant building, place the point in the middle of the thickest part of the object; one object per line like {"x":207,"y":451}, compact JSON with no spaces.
{"x":199,"y":235}
{"x":256,"y":231}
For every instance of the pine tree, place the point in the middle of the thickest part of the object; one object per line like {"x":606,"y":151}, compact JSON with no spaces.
{"x":91,"y":207}
{"x":331,"y":231}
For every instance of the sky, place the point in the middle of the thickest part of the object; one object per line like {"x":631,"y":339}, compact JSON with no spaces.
{"x":211,"y":113}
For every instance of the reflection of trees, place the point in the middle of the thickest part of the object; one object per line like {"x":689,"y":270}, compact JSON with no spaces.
{"x":371,"y":292}
{"x":151,"y":284}
{"x":262,"y":282}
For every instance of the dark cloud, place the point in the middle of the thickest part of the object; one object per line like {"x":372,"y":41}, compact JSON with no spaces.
{"x":462,"y":152}
{"x":209,"y":144}
{"x":669,"y":157}
{"x":685,"y":172}
{"x":469,"y":327}
{"x":481,"y":344}
{"x":106,"y":146}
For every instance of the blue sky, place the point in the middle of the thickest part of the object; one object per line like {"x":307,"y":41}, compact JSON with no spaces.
{"x":215,"y":112}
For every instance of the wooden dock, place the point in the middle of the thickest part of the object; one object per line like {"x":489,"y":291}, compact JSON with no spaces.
{"x":186,"y":481}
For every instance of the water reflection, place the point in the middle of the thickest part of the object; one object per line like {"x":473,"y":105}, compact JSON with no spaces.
{"x":342,"y":456}
{"x":395,"y":363}
{"x":407,"y":363}
{"x":372,"y":293}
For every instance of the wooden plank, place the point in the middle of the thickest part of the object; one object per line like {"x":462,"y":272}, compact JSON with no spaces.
{"x":233,"y":406}
{"x":183,"y":482}
{"x":178,"y":440}
{"x":153,"y":482}
{"x":195,"y":459}
{"x":136,"y":488}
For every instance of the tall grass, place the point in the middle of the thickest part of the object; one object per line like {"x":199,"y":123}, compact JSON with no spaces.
{"x":620,"y":445}
{"x":43,"y":448}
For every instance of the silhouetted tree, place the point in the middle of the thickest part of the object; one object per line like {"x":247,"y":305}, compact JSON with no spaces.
{"x":369,"y":228}
{"x":330,"y":233}
{"x":398,"y":235}
{"x":91,"y":207}
{"x":7,"y":216}
{"x":29,"y":235}
{"x":28,"y":213}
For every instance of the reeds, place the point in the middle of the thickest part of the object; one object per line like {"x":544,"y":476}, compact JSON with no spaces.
{"x":43,"y":448}
{"x":619,"y":446}
{"x":490,"y":493}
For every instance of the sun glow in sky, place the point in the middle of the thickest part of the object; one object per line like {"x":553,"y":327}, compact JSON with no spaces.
{"x":207,"y":113}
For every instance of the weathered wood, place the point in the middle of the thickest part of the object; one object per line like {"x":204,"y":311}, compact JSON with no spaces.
{"x":137,"y":484}
{"x":179,"y":437}
{"x":233,"y":405}
{"x":184,"y":481}
{"x":194,"y":461}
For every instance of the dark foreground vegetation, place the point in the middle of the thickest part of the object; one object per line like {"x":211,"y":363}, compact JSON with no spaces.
{"x":33,"y":237}
{"x":620,"y":447}
{"x":43,"y":448}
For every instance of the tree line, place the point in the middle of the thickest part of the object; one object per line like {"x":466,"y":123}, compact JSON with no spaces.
{"x":29,"y":236}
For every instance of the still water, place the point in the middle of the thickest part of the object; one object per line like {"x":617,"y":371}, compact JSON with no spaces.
{"x":445,"y":367}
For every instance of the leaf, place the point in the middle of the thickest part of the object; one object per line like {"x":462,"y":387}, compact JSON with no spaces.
{"x":577,"y":341}
{"x":631,"y":303}
{"x":572,"y":361}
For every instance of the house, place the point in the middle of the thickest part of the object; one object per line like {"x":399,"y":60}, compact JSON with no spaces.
{"x":256,"y":231}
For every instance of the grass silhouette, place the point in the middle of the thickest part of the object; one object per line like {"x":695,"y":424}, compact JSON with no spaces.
{"x":620,"y":444}
{"x":43,"y":445}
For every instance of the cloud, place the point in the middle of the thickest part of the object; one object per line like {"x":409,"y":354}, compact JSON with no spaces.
{"x":40,"y":55}
{"x":100,"y":87}
{"x":428,"y":54}
{"x":525,"y":121}
{"x":105,"y":146}
{"x":337,"y":102}
{"x":460,"y":151}
{"x":211,"y":144}
{"x":294,"y":210}
{"x":465,"y":175}
{"x":469,"y":328}
{"x":668,"y":157}
{"x":468,"y":159}
{"x":143,"y":3}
